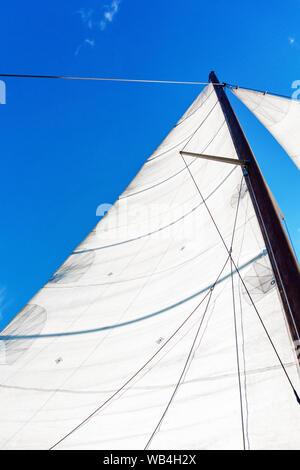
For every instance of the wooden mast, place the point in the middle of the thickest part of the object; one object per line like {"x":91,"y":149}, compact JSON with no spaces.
{"x":283,"y":260}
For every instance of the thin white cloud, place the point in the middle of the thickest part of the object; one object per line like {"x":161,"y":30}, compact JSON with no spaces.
{"x":94,"y":21}
{"x":86,"y":16}
{"x":77,"y":50}
{"x":87,"y":41}
{"x":294,"y":43}
{"x":110,"y":11}
{"x":90,"y":18}
{"x":91,"y":42}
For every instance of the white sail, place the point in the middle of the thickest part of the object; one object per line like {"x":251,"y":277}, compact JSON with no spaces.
{"x":281,"y":116}
{"x":95,"y":358}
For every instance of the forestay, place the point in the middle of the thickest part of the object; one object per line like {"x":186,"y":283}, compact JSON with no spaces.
{"x":281,"y":116}
{"x":94,"y":359}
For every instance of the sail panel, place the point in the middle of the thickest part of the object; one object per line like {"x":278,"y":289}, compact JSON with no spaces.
{"x":119,"y":318}
{"x":281,"y":116}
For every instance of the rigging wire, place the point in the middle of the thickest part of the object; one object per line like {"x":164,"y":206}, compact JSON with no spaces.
{"x":103,"y":79}
{"x":235,"y":322}
{"x":242,"y":280}
{"x":242,"y":330}
{"x":144,"y":365}
{"x":274,"y":259}
{"x":134,"y":80}
{"x":182,"y":373}
{"x":237,"y":357}
{"x":190,"y":355}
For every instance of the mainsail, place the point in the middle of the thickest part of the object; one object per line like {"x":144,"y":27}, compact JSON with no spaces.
{"x":147,"y":336}
{"x":281,"y":116}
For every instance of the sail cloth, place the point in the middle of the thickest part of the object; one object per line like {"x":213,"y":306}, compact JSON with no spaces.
{"x":127,"y":346}
{"x":281,"y":116}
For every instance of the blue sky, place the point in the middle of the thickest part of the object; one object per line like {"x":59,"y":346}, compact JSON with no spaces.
{"x":68,"y":146}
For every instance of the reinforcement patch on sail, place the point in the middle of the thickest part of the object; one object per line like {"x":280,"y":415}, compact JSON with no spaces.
{"x":73,"y":269}
{"x":259,"y":281}
{"x":31,"y":319}
{"x":239,"y":193}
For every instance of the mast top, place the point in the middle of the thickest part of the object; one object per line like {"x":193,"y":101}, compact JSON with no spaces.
{"x":212,"y":77}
